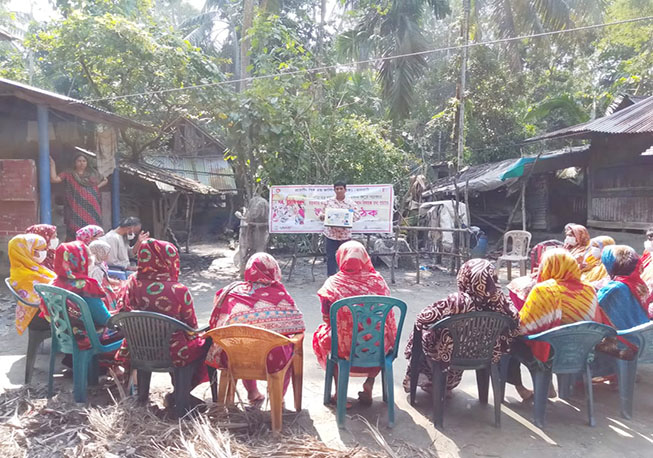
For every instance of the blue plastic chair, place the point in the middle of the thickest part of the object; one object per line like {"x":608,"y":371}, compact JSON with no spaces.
{"x":573,"y":350}
{"x":85,"y":364}
{"x":36,"y":333}
{"x":642,"y":336}
{"x":474,"y":336}
{"x":368,"y":313}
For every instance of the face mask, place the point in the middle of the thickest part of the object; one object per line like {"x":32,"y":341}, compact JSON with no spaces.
{"x":570,"y":240}
{"x":40,"y":256}
{"x":595,"y":252}
{"x":54,"y":243}
{"x":648,"y":245}
{"x":131,"y":236}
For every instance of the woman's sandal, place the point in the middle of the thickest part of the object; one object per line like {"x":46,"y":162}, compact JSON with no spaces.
{"x":257,"y":402}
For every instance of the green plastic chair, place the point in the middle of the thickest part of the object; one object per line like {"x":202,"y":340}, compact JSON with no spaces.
{"x":474,"y":336}
{"x":85,"y":364}
{"x":368,"y":312}
{"x":148,"y":336}
{"x":573,"y":350}
{"x":34,"y":336}
{"x":642,"y":336}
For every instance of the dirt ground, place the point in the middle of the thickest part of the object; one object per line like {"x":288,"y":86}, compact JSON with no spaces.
{"x":469,"y":429}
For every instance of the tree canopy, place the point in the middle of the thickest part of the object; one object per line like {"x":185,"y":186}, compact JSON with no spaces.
{"x":304,"y":91}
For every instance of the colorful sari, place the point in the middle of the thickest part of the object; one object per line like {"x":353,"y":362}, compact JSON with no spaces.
{"x":71,"y":266}
{"x":624,"y":298}
{"x":477,"y":291}
{"x":83,"y":206}
{"x":356,"y":277}
{"x":89,"y":233}
{"x":24,"y":273}
{"x":579,"y":248}
{"x":261,"y":300}
{"x":155,"y":288}
{"x":593,"y":269}
{"x":560,"y":297}
{"x":48,"y":232}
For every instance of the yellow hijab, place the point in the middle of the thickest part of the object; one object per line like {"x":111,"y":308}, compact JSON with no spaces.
{"x":25,"y":272}
{"x":593,"y":270}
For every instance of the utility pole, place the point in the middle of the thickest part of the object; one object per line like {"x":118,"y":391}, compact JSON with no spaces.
{"x":463,"y":81}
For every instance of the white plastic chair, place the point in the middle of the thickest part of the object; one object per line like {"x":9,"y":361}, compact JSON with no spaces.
{"x":521,"y":241}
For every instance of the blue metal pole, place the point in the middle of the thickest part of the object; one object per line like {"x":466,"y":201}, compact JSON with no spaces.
{"x":44,"y":165}
{"x":115,"y":195}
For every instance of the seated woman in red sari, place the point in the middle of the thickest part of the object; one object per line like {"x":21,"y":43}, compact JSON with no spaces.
{"x":261,"y":300}
{"x":71,"y":263}
{"x":155,"y":288}
{"x":356,"y":277}
{"x":477,"y":291}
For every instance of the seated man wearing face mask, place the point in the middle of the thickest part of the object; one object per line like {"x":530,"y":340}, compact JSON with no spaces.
{"x":118,"y":240}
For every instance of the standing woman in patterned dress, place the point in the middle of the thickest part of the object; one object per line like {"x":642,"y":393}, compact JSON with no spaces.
{"x":82,"y":195}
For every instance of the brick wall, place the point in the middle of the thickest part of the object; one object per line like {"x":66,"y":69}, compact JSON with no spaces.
{"x":18,"y":202}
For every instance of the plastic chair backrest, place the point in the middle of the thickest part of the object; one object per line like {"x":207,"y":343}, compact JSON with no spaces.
{"x":17,"y":297}
{"x":247,"y":348}
{"x":148,"y":336}
{"x":55,"y":300}
{"x":538,"y":250}
{"x":642,"y":336}
{"x":572,"y":344}
{"x":521,"y":240}
{"x":474,"y":336}
{"x":370,"y":314}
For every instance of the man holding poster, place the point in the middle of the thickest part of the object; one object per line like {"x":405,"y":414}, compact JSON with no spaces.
{"x":339,"y":214}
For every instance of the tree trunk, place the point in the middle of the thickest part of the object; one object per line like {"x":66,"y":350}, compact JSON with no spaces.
{"x":248,"y":19}
{"x":463,"y":81}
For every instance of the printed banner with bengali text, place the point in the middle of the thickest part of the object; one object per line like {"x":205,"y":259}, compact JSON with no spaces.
{"x":297,"y":209}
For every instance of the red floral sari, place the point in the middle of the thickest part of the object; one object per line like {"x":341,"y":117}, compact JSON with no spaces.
{"x":155,"y":288}
{"x":356,"y":277}
{"x":71,"y":266}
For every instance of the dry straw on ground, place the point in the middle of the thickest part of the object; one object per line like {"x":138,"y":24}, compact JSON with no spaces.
{"x":32,"y":426}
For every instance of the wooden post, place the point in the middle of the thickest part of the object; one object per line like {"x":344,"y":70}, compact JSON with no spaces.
{"x":394,"y":257}
{"x":170,"y":210}
{"x":190,"y":202}
{"x":523,"y":206}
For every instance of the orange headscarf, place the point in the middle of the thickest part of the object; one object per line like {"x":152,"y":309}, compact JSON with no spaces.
{"x":582,"y":236}
{"x":25,"y":272}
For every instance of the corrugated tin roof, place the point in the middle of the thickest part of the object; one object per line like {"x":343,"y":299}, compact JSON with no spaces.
{"x":623,"y":101}
{"x":491,"y":176}
{"x":635,"y":119}
{"x":165,"y":180}
{"x":210,"y":171}
{"x":65,"y":104}
{"x":483,"y":178}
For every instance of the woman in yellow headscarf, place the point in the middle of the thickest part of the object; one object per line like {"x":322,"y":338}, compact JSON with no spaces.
{"x":592,"y":269}
{"x":26,"y":253}
{"x":560,"y":297}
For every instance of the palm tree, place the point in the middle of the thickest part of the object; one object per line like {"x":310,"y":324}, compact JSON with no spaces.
{"x":512,"y":18}
{"x":392,"y":28}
